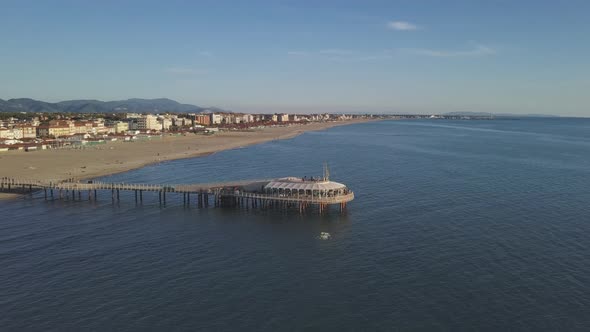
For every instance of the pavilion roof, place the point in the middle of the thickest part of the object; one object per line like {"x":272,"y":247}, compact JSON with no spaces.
{"x":300,"y":184}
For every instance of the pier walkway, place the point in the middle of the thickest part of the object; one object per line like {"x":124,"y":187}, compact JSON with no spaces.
{"x":283,"y":193}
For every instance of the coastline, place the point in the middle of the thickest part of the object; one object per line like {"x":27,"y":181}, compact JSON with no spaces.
{"x":119,"y":157}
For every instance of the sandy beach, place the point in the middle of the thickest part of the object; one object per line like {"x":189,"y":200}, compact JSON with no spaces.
{"x":116,"y":157}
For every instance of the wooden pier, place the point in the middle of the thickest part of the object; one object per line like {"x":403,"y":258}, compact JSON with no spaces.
{"x":285,"y":193}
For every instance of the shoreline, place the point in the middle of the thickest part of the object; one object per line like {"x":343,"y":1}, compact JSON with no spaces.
{"x":119,"y":157}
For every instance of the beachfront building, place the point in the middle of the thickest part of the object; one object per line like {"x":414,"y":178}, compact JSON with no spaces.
{"x":237,"y":119}
{"x":24,"y":131}
{"x":63,"y":123}
{"x":203,"y":119}
{"x":132,"y":123}
{"x":165,"y":122}
{"x":283,"y":117}
{"x":247,"y":118}
{"x":98,"y":127}
{"x":227,"y":118}
{"x":120,"y":127}
{"x":148,"y":122}
{"x":184,"y":122}
{"x":78,"y":138}
{"x":49,"y":130}
{"x":82,"y":127}
{"x":133,"y":115}
{"x":216,"y":118}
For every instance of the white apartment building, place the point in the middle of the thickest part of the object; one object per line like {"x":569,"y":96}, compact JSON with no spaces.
{"x":5,"y":133}
{"x":148,"y":122}
{"x":120,"y":127}
{"x":283,"y":117}
{"x":248,"y":118}
{"x":216,"y":118}
{"x":165,"y":123}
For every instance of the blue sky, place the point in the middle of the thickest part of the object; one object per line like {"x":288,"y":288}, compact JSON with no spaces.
{"x":303,"y":56}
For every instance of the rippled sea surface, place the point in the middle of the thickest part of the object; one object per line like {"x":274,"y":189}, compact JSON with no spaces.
{"x":455,"y":225}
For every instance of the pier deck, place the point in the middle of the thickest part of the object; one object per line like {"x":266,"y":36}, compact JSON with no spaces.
{"x":255,"y":193}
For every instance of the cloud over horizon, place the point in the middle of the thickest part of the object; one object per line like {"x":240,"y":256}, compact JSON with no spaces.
{"x":346,"y":55}
{"x":342,"y":55}
{"x":402,"y":26}
{"x":478,"y":50}
{"x":181,"y":71}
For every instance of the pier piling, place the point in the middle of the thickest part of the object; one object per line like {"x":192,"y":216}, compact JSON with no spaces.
{"x":285,"y":194}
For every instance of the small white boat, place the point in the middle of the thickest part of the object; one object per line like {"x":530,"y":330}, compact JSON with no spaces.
{"x":324,"y":236}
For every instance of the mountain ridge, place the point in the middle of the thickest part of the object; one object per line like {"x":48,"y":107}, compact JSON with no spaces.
{"x":132,"y":105}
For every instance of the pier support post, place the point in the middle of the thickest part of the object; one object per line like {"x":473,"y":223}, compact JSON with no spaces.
{"x":141,"y":196}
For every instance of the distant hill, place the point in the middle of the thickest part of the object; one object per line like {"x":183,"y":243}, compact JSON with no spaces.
{"x":135,"y":105}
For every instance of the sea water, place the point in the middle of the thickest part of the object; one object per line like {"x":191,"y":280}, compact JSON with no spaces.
{"x":455,"y":225}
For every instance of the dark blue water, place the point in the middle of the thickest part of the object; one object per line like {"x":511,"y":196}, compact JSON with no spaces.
{"x":456,"y":225}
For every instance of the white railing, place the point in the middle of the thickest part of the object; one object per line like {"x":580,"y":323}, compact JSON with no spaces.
{"x":306,"y":199}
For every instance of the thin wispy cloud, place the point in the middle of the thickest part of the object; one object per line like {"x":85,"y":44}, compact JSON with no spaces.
{"x":402,"y":26}
{"x":478,"y":50}
{"x":205,"y":54}
{"x":181,"y":71}
{"x":342,"y":55}
{"x":345,"y":55}
{"x":298,"y":53}
{"x":337,"y":52}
